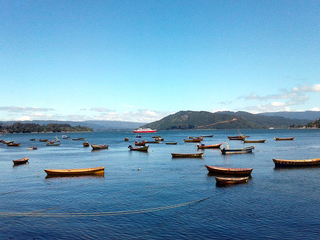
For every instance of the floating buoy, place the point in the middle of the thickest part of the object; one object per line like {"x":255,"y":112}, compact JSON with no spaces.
{"x":139,"y":169}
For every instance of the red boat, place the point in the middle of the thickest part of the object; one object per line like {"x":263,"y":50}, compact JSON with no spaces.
{"x":144,"y":130}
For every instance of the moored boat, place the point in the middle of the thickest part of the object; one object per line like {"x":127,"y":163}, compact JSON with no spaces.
{"x":240,"y":137}
{"x":203,"y":146}
{"x":283,"y":139}
{"x":13,"y":144}
{"x":229,"y":171}
{"x":142,"y":143}
{"x":126,"y":139}
{"x":193,"y":140}
{"x":153,"y":142}
{"x":237,"y":151}
{"x":227,"y":180}
{"x":98,"y":147}
{"x":32,"y":148}
{"x":296,"y":163}
{"x":78,"y":139}
{"x":20,"y":161}
{"x":72,"y":172}
{"x":171,"y":143}
{"x":144,"y":130}
{"x":65,"y":137}
{"x":207,"y":135}
{"x":32,"y":139}
{"x":54,"y":144}
{"x":86,"y":144}
{"x":187,"y":155}
{"x":254,"y":141}
{"x":142,"y":148}
{"x":43,"y":140}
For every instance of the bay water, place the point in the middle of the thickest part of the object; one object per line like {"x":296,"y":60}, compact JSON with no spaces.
{"x":154,"y":196}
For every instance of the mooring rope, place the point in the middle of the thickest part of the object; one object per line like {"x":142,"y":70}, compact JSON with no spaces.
{"x":40,"y":213}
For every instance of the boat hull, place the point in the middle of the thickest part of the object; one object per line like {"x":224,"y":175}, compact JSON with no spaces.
{"x":284,"y":139}
{"x":237,"y":151}
{"x":20,"y":161}
{"x":74,"y":172}
{"x":254,"y":141}
{"x":296,"y":163}
{"x":229,"y":171}
{"x":209,"y":146}
{"x":187,"y":155}
{"x":142,"y":148}
{"x":98,"y":147}
{"x":228,"y":181}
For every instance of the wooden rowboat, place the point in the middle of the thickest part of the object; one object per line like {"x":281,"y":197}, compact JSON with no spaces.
{"x":296,"y":163}
{"x":20,"y":161}
{"x":32,"y":148}
{"x":53,"y":144}
{"x":143,"y":143}
{"x":75,"y":172}
{"x":240,"y":137}
{"x":13,"y":144}
{"x":187,"y":155}
{"x":43,"y":140}
{"x":86,"y":144}
{"x":126,"y":139}
{"x":202,"y":146}
{"x":98,"y":147}
{"x":254,"y":141}
{"x":171,"y":143}
{"x":78,"y":139}
{"x":237,"y":151}
{"x":207,"y":136}
{"x":229,"y":171}
{"x":142,"y":148}
{"x":226,"y":181}
{"x":193,"y":140}
{"x":283,"y":139}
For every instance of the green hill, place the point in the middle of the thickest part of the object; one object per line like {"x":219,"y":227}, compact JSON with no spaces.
{"x":222,"y":120}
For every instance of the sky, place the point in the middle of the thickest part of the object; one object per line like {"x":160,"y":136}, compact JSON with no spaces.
{"x":141,"y":60}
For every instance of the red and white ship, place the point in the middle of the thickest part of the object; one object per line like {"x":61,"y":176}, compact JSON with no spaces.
{"x":144,"y":130}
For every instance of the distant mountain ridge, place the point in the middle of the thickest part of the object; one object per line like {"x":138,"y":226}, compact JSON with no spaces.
{"x":222,"y":120}
{"x":310,"y":115}
{"x":95,"y":125}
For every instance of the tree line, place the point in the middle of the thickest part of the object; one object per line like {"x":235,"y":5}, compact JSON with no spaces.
{"x":33,"y":127}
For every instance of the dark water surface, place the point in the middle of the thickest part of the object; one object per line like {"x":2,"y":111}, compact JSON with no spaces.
{"x":167,"y":198}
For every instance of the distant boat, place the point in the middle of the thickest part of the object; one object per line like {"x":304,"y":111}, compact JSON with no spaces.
{"x":193,"y":140}
{"x":254,"y":141}
{"x":32,"y":148}
{"x":142,"y":143}
{"x":240,"y":137}
{"x":86,"y":144}
{"x":283,"y":139}
{"x":53,"y":144}
{"x":12,"y":144}
{"x":207,"y":135}
{"x":144,"y":130}
{"x":237,"y":151}
{"x":171,"y":143}
{"x":296,"y":163}
{"x":226,"y":181}
{"x":126,"y":139}
{"x":43,"y":140}
{"x":77,"y":139}
{"x":72,"y":172}
{"x":32,"y":139}
{"x":187,"y":155}
{"x":65,"y":137}
{"x":98,"y":147}
{"x":7,"y":142}
{"x":229,"y":171}
{"x":153,"y":142}
{"x":57,"y":139}
{"x":142,"y":148}
{"x":203,"y":146}
{"x":20,"y":161}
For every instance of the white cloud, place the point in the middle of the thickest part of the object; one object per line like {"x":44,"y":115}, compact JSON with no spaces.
{"x":307,"y":88}
{"x":25,"y":109}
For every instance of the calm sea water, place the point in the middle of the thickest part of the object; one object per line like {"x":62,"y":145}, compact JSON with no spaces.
{"x":167,"y":198}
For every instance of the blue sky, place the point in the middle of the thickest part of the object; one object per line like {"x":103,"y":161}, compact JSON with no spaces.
{"x":143,"y":60}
